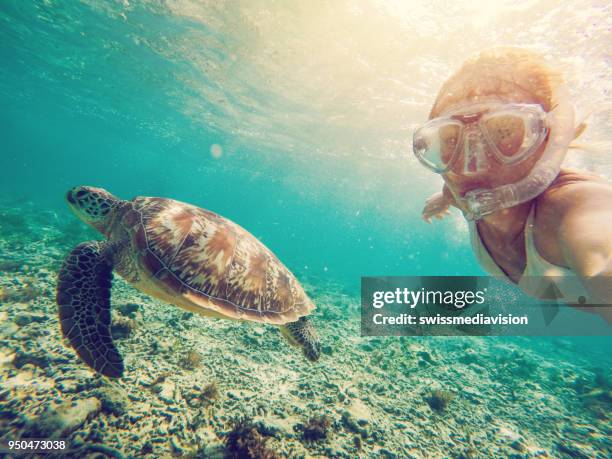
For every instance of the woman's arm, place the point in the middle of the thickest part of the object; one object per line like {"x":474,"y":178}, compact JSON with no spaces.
{"x":584,"y":235}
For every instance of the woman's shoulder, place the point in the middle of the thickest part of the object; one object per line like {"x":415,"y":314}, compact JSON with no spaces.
{"x":575,"y":176}
{"x":572,"y":187}
{"x":573,"y":196}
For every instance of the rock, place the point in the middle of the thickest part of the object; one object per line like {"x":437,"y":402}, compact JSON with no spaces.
{"x":272,"y":427}
{"x":187,"y":315}
{"x":106,"y":451}
{"x":128,"y":309}
{"x":469,"y":356}
{"x":213,"y":451}
{"x":60,"y":420}
{"x":26,"y":318}
{"x":518,"y":445}
{"x":508,"y":434}
{"x":175,"y":447}
{"x":426,"y":358}
{"x":335,"y":452}
{"x":383,"y":452}
{"x":10,"y":410}
{"x":8,"y":328}
{"x":574,"y":451}
{"x":147,"y":448}
{"x":68,"y":386}
{"x":473,"y":395}
{"x":162,"y":346}
{"x":113,"y":399}
{"x":38,"y":359}
{"x":122,"y":328}
{"x":356,"y":417}
{"x":167,"y":391}
{"x":259,"y":331}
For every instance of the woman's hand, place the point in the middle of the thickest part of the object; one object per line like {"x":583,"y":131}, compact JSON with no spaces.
{"x":436,"y":206}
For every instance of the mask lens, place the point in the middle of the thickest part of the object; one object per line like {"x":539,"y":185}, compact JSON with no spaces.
{"x":514,"y":135}
{"x":435,"y":144}
{"x":507,"y":133}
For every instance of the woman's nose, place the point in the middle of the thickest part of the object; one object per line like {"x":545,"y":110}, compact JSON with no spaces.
{"x":472,"y":158}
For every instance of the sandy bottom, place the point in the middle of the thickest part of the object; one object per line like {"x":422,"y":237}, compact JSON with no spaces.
{"x":189,"y":379}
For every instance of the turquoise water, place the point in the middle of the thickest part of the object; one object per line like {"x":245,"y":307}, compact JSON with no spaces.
{"x":92,"y":98}
{"x":291,"y":119}
{"x":131,"y":97}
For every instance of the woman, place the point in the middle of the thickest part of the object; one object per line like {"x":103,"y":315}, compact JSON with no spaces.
{"x":498,"y":133}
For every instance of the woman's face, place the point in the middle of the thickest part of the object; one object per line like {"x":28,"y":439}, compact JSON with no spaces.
{"x":475,"y":165}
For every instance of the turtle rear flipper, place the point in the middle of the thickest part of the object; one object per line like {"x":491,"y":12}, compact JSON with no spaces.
{"x":83,"y":297}
{"x":301,"y":333}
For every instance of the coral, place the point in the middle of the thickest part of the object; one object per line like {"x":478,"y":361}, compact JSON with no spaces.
{"x":317,"y":428}
{"x":601,"y":378}
{"x":439,"y":399}
{"x":128,"y":309}
{"x":210,"y":391}
{"x":38,"y":359}
{"x":10,"y":266}
{"x":197,"y":453}
{"x":516,"y":365}
{"x":114,"y":400}
{"x":598,"y":401}
{"x":581,"y":385}
{"x":246,"y":442}
{"x":595,"y":394}
{"x":122,"y":327}
{"x":207,"y":395}
{"x":105,"y":451}
{"x":61,"y":420}
{"x":191,"y":360}
{"x":467,"y":453}
{"x":12,"y":222}
{"x":160,"y":378}
{"x":22,"y":294}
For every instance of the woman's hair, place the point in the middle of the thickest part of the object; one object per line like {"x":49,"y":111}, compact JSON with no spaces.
{"x":502,"y":71}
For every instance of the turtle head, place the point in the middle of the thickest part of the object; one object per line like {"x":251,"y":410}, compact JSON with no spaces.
{"x":92,"y":205}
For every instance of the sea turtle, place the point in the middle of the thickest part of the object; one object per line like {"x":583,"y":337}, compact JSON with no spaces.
{"x":182,"y":254}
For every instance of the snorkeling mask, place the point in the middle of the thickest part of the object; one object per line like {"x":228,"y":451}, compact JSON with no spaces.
{"x":505,"y":133}
{"x":483,"y":133}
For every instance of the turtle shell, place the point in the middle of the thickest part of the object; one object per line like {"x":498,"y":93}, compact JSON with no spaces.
{"x":199,"y":257}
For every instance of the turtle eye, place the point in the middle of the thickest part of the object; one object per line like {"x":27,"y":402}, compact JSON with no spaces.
{"x":81,"y":193}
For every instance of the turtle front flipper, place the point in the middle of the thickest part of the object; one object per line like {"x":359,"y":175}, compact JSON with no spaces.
{"x":83,"y":297}
{"x":302,"y":333}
